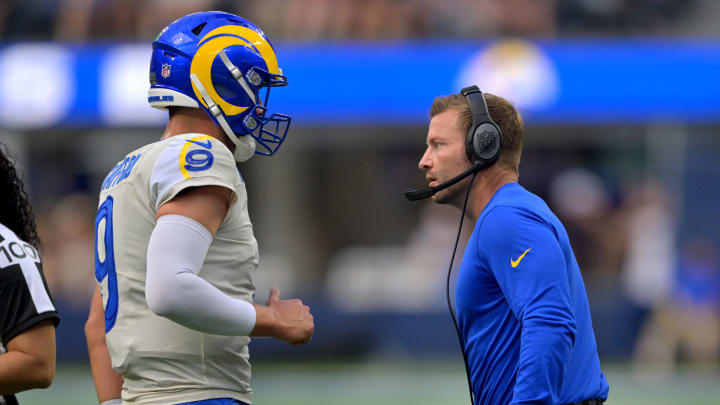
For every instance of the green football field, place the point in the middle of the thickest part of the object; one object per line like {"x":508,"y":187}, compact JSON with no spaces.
{"x":400,"y":382}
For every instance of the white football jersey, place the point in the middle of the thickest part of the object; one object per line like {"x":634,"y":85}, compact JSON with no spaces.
{"x":161,"y":361}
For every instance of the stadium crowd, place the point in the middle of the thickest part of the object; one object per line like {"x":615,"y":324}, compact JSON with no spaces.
{"x":92,"y":20}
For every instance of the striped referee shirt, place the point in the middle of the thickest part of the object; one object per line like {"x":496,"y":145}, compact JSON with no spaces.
{"x":24,"y":296}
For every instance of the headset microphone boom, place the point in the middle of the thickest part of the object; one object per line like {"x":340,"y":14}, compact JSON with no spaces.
{"x":425,"y":192}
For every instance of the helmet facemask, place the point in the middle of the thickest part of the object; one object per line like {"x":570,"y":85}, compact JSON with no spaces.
{"x":268,"y":132}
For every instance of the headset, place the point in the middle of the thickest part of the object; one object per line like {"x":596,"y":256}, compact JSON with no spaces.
{"x":482,"y":146}
{"x":482,"y":143}
{"x":484,"y":136}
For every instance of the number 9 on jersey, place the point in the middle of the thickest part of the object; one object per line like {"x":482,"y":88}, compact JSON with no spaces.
{"x":105,"y":262}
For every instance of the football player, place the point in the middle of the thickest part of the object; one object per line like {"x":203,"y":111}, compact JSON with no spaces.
{"x":175,"y":252}
{"x":27,"y":313}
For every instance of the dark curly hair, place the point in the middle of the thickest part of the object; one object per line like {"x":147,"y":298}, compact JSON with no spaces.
{"x":15,"y":210}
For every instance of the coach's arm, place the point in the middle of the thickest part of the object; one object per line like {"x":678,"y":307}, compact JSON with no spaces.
{"x":30,"y":360}
{"x":108,"y":383}
{"x":538,"y":292}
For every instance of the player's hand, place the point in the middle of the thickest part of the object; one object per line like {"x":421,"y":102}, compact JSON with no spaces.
{"x":295,"y":324}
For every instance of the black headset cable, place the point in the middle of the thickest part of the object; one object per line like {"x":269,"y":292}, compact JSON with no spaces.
{"x":447,"y":289}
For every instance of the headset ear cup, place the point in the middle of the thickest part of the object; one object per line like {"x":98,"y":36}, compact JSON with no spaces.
{"x":470,"y":146}
{"x":484,"y":138}
{"x":486,"y":142}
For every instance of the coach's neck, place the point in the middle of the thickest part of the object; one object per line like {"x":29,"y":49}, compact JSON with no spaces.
{"x":186,"y":120}
{"x":486,"y":184}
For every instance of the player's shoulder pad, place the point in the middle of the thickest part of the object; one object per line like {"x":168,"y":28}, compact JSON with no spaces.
{"x":191,"y":158}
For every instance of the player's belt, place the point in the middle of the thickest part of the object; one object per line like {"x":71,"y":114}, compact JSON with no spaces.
{"x":590,"y":402}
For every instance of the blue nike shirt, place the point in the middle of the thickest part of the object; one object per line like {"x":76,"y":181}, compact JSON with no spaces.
{"x":522,"y":308}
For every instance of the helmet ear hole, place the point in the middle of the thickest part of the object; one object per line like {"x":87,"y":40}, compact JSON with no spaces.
{"x":197,"y":30}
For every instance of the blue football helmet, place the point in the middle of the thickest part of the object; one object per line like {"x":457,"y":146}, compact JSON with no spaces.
{"x":220,"y":62}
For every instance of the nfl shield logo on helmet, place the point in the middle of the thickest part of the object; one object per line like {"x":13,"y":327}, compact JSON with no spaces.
{"x":165,"y":72}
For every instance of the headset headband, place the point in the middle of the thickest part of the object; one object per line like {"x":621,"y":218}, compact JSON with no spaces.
{"x":478,"y":106}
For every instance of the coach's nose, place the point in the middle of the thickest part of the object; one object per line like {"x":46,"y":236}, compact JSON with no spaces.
{"x":425,"y":162}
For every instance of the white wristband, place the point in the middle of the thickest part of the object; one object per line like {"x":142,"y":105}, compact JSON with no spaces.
{"x":116,"y":401}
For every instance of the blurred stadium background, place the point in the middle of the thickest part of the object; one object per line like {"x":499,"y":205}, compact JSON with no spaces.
{"x":621,"y":101}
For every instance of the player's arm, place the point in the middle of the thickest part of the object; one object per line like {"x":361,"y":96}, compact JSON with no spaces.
{"x":30,"y":359}
{"x":537,"y":289}
{"x":108,"y":383}
{"x":184,"y":230}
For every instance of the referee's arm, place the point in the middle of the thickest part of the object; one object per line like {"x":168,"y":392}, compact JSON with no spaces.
{"x":27,"y":323}
{"x":538,"y":291}
{"x":30,"y":359}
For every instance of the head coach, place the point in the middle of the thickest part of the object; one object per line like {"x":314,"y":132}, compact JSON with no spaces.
{"x":522,"y":310}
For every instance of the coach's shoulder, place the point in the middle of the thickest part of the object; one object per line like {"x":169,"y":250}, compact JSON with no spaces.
{"x":509,"y":220}
{"x":500,"y":215}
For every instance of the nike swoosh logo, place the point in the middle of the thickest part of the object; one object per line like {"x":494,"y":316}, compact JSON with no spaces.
{"x":207,"y":145}
{"x":514,"y":263}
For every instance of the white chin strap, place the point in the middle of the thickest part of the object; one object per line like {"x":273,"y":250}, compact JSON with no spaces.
{"x":244,"y":145}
